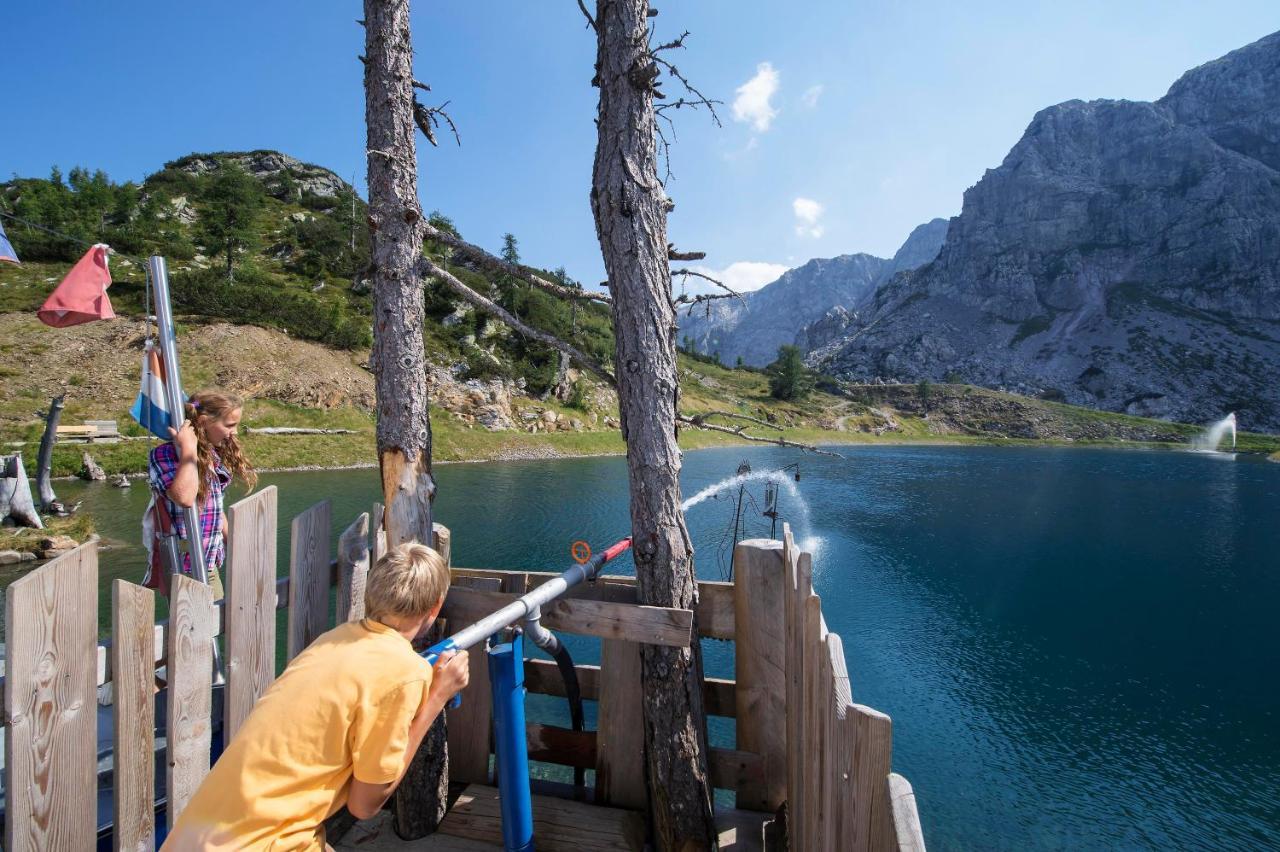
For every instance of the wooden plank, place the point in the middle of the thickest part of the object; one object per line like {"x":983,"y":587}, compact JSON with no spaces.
{"x":714,"y":610}
{"x":250,"y":606}
{"x":872,"y":734}
{"x":353,"y":569}
{"x":719,"y":697}
{"x":839,"y":746}
{"x":542,"y":677}
{"x":442,"y":541}
{"x":50,"y":704}
{"x":730,"y":769}
{"x":760,"y":668}
{"x":908,"y":835}
{"x":648,"y":624}
{"x":620,"y":775}
{"x":308,"y":577}
{"x":469,"y":723}
{"x":560,"y":825}
{"x":566,"y":747}
{"x":811,"y":750}
{"x":716,"y":618}
{"x":795,"y":697}
{"x":378,"y":541}
{"x":133,"y":705}
{"x":740,"y":831}
{"x":191,"y":627}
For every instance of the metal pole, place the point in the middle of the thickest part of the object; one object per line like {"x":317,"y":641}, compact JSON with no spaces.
{"x":174,"y":402}
{"x":506,"y":674}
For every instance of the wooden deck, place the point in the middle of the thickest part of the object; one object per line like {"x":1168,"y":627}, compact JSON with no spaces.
{"x":559,"y":825}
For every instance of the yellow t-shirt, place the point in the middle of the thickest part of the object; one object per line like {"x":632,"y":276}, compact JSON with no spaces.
{"x":341,"y":708}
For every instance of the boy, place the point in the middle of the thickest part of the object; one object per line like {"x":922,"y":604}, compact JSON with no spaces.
{"x":338,"y":727}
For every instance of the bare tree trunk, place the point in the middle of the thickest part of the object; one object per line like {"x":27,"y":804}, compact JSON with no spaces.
{"x":630,"y":210}
{"x":15,"y":493}
{"x":44,"y":460}
{"x":404,"y":428}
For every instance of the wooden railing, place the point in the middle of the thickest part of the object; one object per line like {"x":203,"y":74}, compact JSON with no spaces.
{"x":800,"y":741}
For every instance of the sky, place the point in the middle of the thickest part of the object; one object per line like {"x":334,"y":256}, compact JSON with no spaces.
{"x":843,"y":124}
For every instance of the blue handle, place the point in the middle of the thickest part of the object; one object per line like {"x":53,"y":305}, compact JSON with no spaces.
{"x":432,"y":655}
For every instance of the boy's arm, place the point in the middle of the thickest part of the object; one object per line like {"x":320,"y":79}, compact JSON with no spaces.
{"x":451,"y":676}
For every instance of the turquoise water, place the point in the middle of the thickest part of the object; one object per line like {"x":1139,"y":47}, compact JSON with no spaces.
{"x":1079,"y":648}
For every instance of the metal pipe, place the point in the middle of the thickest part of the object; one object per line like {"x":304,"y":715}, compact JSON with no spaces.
{"x":506,"y":677}
{"x":549,"y":642}
{"x":175,"y":402}
{"x":519,"y":609}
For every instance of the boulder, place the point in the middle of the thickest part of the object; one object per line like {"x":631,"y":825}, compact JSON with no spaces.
{"x":10,"y":557}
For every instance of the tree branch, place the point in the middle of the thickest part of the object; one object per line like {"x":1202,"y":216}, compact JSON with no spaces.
{"x":740,"y":433}
{"x":591,"y":22}
{"x":698,"y":419}
{"x":428,"y":119}
{"x":497,"y":264}
{"x":429,"y":268}
{"x":672,"y":254}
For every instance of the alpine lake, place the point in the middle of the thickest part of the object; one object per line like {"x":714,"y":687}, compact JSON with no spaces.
{"x":1080,"y":649}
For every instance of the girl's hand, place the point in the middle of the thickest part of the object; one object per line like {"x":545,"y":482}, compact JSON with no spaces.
{"x":185,"y":441}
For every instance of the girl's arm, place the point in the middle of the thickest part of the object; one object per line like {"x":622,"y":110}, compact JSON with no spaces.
{"x":186,"y":482}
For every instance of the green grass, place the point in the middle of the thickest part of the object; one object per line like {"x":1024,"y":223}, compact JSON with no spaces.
{"x":24,"y":540}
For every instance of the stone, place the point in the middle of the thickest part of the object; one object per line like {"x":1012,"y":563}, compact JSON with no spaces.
{"x":550,"y":417}
{"x":121,"y":481}
{"x":58,"y":543}
{"x":575,"y":424}
{"x":10,"y":557}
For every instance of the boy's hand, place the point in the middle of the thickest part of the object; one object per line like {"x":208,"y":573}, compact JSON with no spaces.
{"x":452,"y":674}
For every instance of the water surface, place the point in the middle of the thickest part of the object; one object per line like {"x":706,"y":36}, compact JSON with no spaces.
{"x":1078,"y":648}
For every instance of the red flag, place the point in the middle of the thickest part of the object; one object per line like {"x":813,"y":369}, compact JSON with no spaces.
{"x":82,"y":295}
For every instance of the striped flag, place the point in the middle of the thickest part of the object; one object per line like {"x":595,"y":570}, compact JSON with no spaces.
{"x":149,"y":408}
{"x":6,"y":248}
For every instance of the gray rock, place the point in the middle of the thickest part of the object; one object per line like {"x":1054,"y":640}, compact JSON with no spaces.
{"x":776,"y":314}
{"x":1125,"y":255}
{"x":10,"y":557}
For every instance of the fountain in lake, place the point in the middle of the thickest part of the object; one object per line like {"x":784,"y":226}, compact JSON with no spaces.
{"x":803,"y":528}
{"x":1212,"y":438}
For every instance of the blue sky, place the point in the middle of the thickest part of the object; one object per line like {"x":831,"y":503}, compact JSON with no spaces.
{"x":845,"y":124}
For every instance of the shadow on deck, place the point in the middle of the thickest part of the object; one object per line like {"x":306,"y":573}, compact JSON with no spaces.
{"x":474,"y":823}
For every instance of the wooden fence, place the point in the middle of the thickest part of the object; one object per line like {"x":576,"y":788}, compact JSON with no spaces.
{"x":800,"y":739}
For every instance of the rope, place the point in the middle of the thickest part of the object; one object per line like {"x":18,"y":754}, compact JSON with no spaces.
{"x":69,"y":238}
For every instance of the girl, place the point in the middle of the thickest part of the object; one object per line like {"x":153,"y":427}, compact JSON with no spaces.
{"x":195,"y":470}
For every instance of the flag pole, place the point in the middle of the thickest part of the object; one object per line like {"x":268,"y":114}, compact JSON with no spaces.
{"x":174,"y":403}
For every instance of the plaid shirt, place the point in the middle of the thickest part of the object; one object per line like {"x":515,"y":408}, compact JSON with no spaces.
{"x":163,"y":469}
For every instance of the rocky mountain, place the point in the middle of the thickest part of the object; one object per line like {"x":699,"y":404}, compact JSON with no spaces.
{"x":779,"y":313}
{"x":1125,"y":255}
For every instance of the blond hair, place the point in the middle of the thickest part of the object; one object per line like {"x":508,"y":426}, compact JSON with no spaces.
{"x":407,"y":582}
{"x":214,"y":405}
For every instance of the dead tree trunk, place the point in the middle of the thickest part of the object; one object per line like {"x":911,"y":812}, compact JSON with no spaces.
{"x":44,"y":460}
{"x":630,"y":210}
{"x":404,"y":428}
{"x":15,"y":494}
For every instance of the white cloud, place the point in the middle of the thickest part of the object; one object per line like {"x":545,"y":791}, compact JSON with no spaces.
{"x":752,"y":101}
{"x":808,"y":215}
{"x":742,"y":276}
{"x":811,"y":95}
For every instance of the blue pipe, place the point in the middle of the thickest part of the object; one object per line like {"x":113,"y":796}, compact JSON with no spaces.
{"x":506,"y":675}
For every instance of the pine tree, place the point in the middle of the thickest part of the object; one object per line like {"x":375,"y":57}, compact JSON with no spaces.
{"x":230,"y":211}
{"x":789,"y":379}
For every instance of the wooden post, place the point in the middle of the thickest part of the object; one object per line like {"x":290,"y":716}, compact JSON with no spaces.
{"x":44,"y":459}
{"x":250,"y":606}
{"x":51,"y":633}
{"x":872,"y":758}
{"x":308,"y":577}
{"x":353,"y":569}
{"x":193,"y":622}
{"x":469,"y":724}
{"x":906,"y":818}
{"x":811,"y":751}
{"x":620,"y":770}
{"x":837,"y":746}
{"x":442,"y":541}
{"x":760,"y":667}
{"x":133,"y":615}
